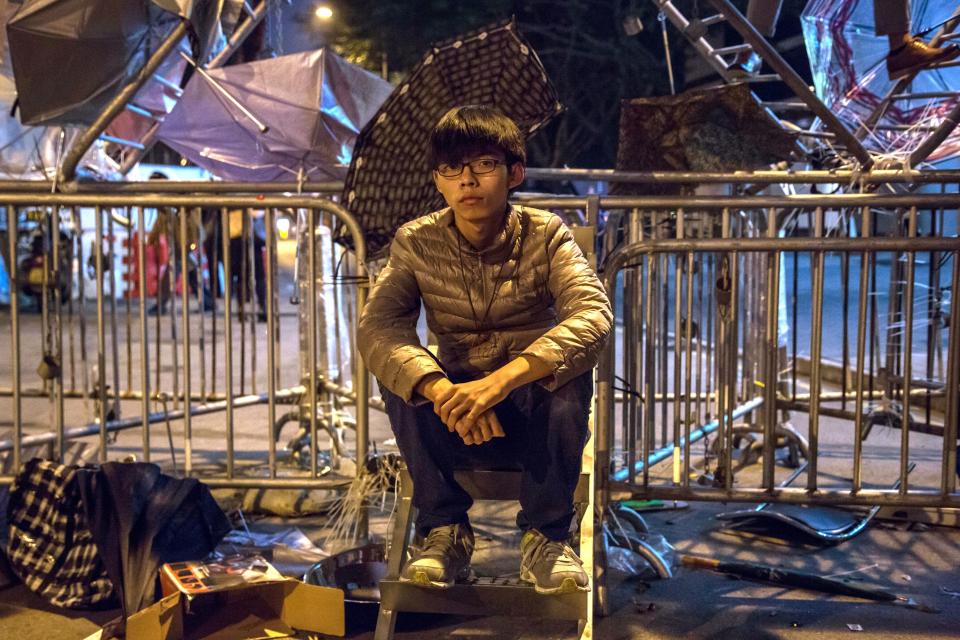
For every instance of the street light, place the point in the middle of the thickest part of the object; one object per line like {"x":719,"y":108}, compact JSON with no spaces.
{"x":324,"y":13}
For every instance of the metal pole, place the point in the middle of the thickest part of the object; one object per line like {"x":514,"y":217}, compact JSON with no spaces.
{"x":57,"y":313}
{"x":115,"y":106}
{"x":185,"y":324}
{"x":144,"y":351}
{"x":312,"y":341}
{"x":271,"y":343}
{"x":101,"y":340}
{"x":907,"y":356}
{"x":948,"y":481}
{"x":13,"y":277}
{"x":771,"y":365}
{"x":227,"y":330}
{"x":816,"y":342}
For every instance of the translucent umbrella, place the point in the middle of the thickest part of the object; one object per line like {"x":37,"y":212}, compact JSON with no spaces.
{"x":850,"y":76}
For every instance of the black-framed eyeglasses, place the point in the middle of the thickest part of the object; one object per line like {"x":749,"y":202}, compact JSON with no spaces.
{"x":478,"y":167}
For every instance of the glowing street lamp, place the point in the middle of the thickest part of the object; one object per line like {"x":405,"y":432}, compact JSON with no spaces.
{"x":324,"y":13}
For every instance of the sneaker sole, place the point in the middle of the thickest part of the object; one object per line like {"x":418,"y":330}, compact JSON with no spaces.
{"x":421,"y":579}
{"x":569,"y":585}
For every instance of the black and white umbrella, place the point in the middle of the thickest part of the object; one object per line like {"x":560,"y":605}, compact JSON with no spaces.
{"x":389,"y":179}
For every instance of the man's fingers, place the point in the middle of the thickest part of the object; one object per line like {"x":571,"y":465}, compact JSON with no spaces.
{"x":484,"y":426}
{"x":495,"y":425}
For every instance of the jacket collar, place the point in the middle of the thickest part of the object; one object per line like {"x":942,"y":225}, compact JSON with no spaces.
{"x":502,"y":246}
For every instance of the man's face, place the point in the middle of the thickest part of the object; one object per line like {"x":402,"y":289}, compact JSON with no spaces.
{"x":479,"y":193}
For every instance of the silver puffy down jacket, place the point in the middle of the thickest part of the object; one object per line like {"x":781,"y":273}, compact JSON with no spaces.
{"x":546,"y":302}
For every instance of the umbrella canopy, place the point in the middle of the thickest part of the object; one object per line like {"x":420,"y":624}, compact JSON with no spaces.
{"x":96,"y":47}
{"x":314,"y":104}
{"x":389,"y":180}
{"x":850,"y":76}
{"x":718,"y":129}
{"x":30,"y":153}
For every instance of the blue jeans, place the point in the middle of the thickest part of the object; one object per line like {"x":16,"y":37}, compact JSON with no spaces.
{"x":546,"y":432}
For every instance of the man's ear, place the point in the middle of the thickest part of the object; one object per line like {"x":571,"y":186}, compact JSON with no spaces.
{"x":436,"y":179}
{"x":516,"y":176}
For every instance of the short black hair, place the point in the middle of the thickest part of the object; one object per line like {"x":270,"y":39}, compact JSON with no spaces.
{"x":474,"y":129}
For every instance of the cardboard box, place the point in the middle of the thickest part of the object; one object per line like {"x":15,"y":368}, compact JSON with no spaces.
{"x":252,"y":604}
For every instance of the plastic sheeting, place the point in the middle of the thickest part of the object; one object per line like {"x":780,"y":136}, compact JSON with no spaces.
{"x":850,"y":75}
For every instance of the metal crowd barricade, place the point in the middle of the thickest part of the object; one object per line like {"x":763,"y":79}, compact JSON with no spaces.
{"x":703,"y":346}
{"x":159,"y":348}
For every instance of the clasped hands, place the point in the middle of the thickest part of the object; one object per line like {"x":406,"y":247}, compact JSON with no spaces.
{"x":467,"y":408}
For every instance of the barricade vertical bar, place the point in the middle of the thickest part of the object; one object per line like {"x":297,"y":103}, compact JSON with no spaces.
{"x":101,"y":338}
{"x":203,"y":262}
{"x":712,"y":398}
{"x":770,"y":367}
{"x":816,"y":344}
{"x":312,"y":342}
{"x":933,"y":308}
{"x":57,"y":313}
{"x":862,"y":295}
{"x":82,"y":294}
{"x":77,"y":244}
{"x":114,"y":337}
{"x":732,"y":352}
{"x":127,"y":295}
{"x":677,"y":332}
{"x":701,"y":335}
{"x":185,"y":323}
{"x":632,"y":347}
{"x":794,"y":334}
{"x":243,"y":293}
{"x":648,"y":356}
{"x":725,"y":331}
{"x":158,"y":316}
{"x":688,"y":336}
{"x":13,"y":278}
{"x":144,"y":351}
{"x":336,"y":301}
{"x":227,"y":331}
{"x":218,"y":259}
{"x":271,"y":343}
{"x":845,"y":304}
{"x":907,"y":355}
{"x":948,"y":480}
{"x":255,"y":302}
{"x":663,"y":329}
{"x":171,"y":281}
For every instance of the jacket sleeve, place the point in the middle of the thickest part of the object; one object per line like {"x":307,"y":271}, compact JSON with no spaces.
{"x":584,"y":316}
{"x":387,"y":335}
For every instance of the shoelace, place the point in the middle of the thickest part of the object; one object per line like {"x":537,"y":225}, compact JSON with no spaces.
{"x":553,"y":550}
{"x":440,"y":539}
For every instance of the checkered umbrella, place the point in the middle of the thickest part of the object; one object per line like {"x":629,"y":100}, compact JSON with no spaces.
{"x":389,"y":180}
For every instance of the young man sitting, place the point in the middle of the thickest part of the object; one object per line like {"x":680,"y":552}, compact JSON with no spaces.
{"x":520,"y":318}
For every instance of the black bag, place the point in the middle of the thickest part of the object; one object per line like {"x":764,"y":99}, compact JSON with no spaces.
{"x":50,"y":547}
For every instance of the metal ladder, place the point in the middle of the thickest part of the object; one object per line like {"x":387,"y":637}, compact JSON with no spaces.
{"x":696,"y":32}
